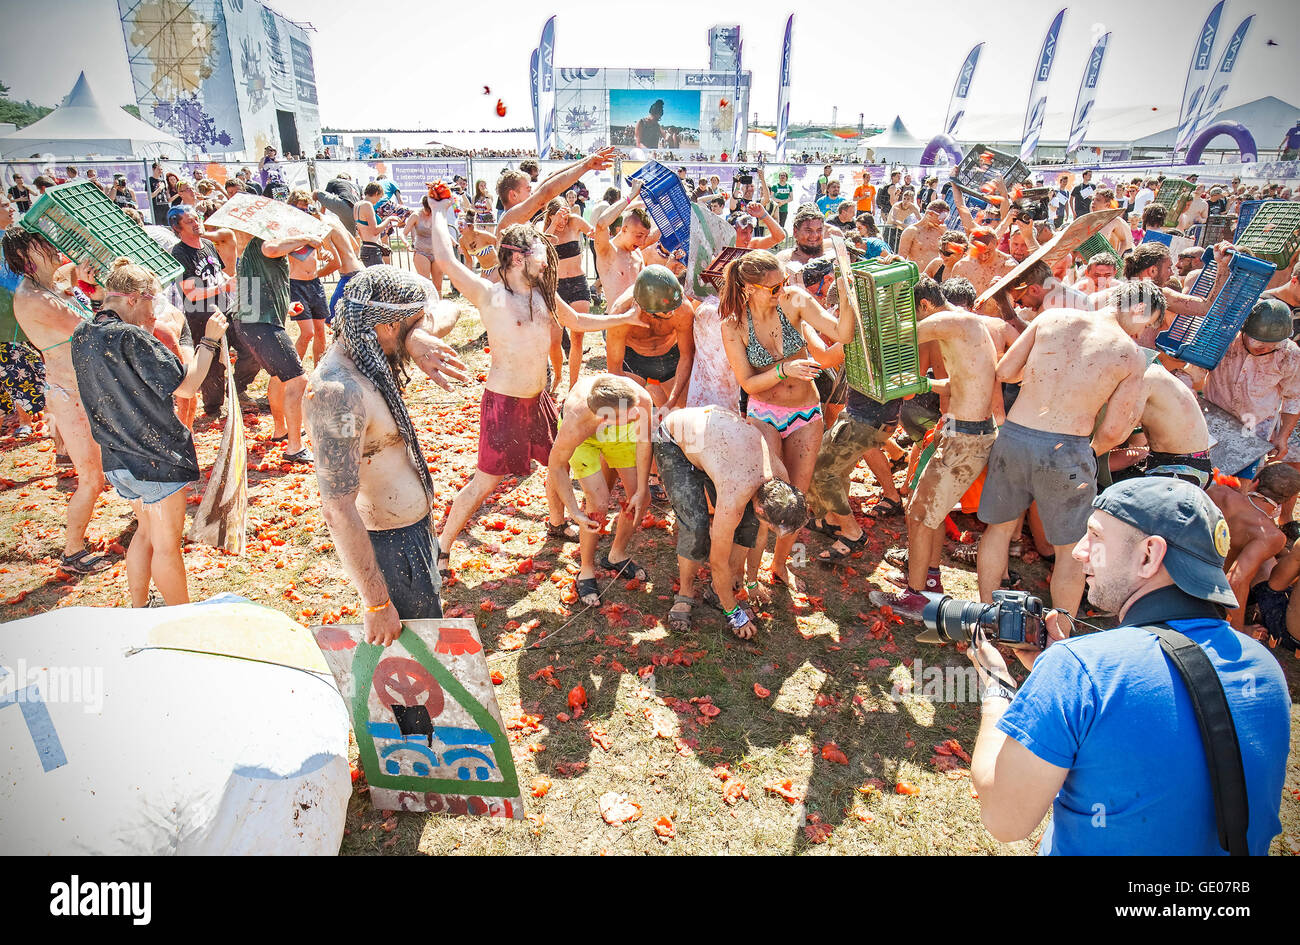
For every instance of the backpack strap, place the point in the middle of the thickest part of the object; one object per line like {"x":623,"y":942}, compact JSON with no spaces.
{"x":1218,"y":734}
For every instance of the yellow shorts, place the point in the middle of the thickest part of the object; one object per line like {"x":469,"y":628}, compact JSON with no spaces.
{"x":616,"y":443}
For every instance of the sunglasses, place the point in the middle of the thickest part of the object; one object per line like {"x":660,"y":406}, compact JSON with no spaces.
{"x":771,"y":290}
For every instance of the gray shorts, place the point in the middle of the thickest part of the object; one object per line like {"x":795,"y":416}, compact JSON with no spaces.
{"x":691,"y":491}
{"x":1056,"y":470}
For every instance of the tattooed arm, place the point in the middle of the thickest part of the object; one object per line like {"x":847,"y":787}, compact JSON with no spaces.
{"x":336,"y":422}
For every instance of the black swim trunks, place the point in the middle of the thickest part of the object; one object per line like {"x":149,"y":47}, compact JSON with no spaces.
{"x":573,"y":289}
{"x":408,"y":559}
{"x":311,"y":296}
{"x":653,"y":367}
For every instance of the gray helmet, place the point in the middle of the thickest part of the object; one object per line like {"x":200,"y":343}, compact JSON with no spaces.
{"x":657,"y":290}
{"x":1269,"y":320}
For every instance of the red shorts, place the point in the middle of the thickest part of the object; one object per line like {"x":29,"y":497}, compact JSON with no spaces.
{"x":513,"y":431}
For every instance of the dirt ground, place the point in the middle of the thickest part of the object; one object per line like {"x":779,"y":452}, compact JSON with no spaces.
{"x":807,"y":739}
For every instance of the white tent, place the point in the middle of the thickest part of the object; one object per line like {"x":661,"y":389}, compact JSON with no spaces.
{"x":82,"y":128}
{"x":895,"y":146}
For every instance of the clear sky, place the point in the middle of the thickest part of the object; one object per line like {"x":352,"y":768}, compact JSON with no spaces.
{"x":411,"y":64}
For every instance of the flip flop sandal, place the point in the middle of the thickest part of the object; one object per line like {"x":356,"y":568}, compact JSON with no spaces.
{"x":83,"y":563}
{"x":588,"y":587}
{"x":657,"y":492}
{"x":821,"y":525}
{"x":280,"y":439}
{"x":566,"y":532}
{"x":710,"y":596}
{"x":681,"y":621}
{"x":303,"y":455}
{"x":1013,"y":580}
{"x":444,"y":564}
{"x":626,"y":568}
{"x":897,"y":557}
{"x":888,"y":507}
{"x":831,"y":555}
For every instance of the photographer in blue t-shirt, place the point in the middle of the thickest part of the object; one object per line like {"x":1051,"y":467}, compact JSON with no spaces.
{"x":1103,"y":731}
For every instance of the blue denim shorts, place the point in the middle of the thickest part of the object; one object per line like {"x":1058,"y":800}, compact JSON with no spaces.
{"x":131,"y":488}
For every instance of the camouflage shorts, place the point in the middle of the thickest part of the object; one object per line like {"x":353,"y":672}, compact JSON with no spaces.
{"x":841,"y":449}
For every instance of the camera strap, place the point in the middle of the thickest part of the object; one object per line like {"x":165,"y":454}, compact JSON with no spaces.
{"x":1218,"y":735}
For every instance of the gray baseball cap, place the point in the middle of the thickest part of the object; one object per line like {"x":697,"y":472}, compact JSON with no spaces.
{"x":1192,"y":526}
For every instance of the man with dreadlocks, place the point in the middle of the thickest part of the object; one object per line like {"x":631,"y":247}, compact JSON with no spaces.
{"x":375,"y":487}
{"x":517,"y":420}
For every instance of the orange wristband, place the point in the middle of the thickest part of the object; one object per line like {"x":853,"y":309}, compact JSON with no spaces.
{"x":378,"y":607}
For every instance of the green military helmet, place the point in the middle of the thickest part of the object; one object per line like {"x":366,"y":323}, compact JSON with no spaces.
{"x":1269,"y":320}
{"x":657,"y":290}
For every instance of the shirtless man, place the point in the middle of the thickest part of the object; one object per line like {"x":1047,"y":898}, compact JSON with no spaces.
{"x":904,"y":208}
{"x":965,"y":438}
{"x":343,"y":246}
{"x":1098,"y":274}
{"x":1198,"y":211}
{"x":1117,"y":232}
{"x":606,"y":424}
{"x":522,"y":202}
{"x":305,"y":270}
{"x":369,"y":228}
{"x":809,"y":241}
{"x":660,"y":355}
{"x":985,"y":264}
{"x":1070,"y":364}
{"x":1177,"y":437}
{"x":376,"y":494}
{"x":1252,"y":526}
{"x":920,"y":241}
{"x":49,"y":319}
{"x":618,"y":259}
{"x":517,"y":422}
{"x":709,"y":454}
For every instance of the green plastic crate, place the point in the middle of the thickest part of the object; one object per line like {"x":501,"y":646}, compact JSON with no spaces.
{"x":85,"y":225}
{"x":1097,"y":243}
{"x":1273,"y":233}
{"x":883,"y":362}
{"x":1174,"y":195}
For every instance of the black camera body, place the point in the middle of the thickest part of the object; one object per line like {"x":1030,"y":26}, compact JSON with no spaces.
{"x":1014,"y":618}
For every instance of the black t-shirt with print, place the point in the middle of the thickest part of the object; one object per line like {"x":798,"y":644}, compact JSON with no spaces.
{"x":203,"y":265}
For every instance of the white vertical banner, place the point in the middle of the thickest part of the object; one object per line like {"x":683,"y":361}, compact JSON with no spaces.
{"x":1198,"y":78}
{"x":546,"y":88}
{"x":1222,"y":78}
{"x":534,"y":81}
{"x":783,"y":93}
{"x":738,"y":108}
{"x":961,"y":91}
{"x":1087,"y":95}
{"x":1036,"y":111}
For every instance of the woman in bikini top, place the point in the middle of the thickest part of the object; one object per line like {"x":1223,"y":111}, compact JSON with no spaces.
{"x":564,"y":227}
{"x":769,"y":357}
{"x":482,"y":245}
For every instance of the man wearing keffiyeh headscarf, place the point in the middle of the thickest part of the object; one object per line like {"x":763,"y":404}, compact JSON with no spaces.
{"x":375,"y":487}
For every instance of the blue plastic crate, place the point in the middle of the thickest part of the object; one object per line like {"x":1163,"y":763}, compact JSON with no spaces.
{"x":666,"y":202}
{"x":1202,"y":340}
{"x":1151,"y":236}
{"x":973,"y":204}
{"x":1205,"y":281}
{"x":1248,"y":208}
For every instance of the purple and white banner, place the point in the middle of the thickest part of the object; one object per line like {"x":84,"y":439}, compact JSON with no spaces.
{"x":961,"y":91}
{"x":546,"y":88}
{"x":1087,"y":95}
{"x":1222,"y":78}
{"x":1037,"y":108}
{"x":533,"y":81}
{"x":1198,"y":78}
{"x":783,"y":93}
{"x":738,"y":108}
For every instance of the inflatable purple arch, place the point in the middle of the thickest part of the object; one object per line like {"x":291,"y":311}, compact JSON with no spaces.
{"x":943,"y":143}
{"x":1233,"y":129}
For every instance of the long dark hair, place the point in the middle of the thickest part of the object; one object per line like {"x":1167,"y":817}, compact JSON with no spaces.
{"x":749,"y":269}
{"x":519,"y":238}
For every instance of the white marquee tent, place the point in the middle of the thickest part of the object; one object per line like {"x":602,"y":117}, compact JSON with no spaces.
{"x":82,"y":128}
{"x":895,"y":145}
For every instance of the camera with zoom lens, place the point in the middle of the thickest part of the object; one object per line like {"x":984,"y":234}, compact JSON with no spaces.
{"x":1014,"y":618}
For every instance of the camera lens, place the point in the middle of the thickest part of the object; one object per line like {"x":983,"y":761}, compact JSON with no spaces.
{"x":954,"y":619}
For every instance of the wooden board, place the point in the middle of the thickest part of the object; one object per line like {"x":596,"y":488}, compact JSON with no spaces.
{"x":221,"y":520}
{"x":266,"y":218}
{"x":424,"y":712}
{"x":1232,"y":446}
{"x":1055,"y":249}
